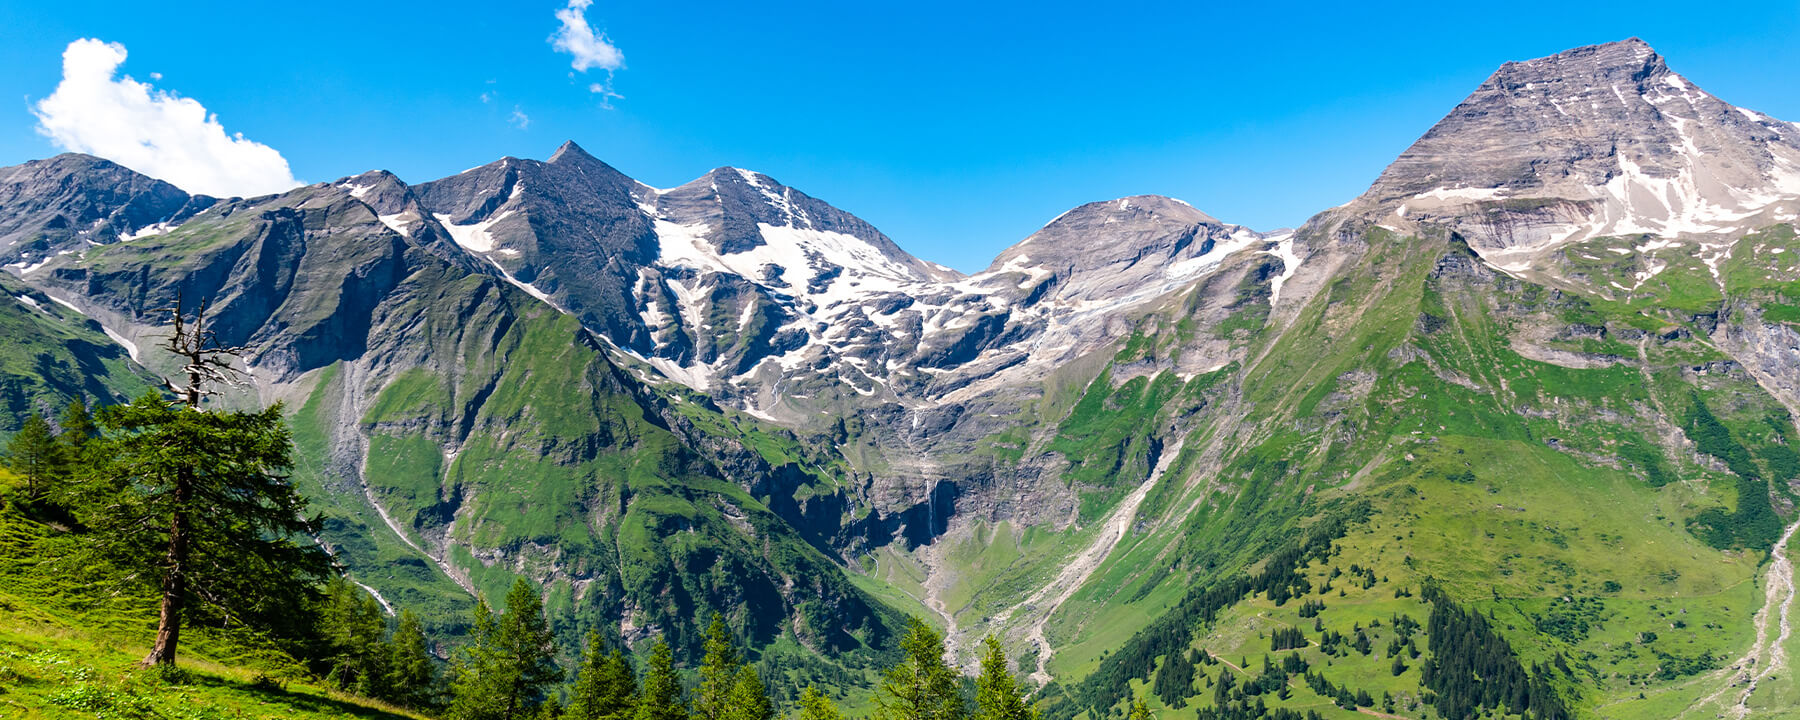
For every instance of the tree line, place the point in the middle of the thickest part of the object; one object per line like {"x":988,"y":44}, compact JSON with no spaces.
{"x":193,"y":504}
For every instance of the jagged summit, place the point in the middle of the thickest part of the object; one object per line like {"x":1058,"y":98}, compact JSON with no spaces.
{"x":1631,"y":58}
{"x":62,"y":203}
{"x":1603,"y":140}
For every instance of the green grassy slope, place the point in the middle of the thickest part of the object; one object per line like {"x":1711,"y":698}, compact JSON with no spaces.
{"x":70,"y":638}
{"x":1593,"y":472}
{"x":52,"y":355}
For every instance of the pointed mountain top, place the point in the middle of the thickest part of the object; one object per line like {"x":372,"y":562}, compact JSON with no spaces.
{"x":1598,"y":140}
{"x":569,"y":151}
{"x":1630,"y":60}
{"x":1555,"y":119}
{"x":68,"y":200}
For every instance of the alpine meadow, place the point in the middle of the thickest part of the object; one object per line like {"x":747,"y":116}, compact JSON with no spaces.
{"x":1512,"y":434}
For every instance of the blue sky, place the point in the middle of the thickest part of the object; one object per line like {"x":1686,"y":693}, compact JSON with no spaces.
{"x":957,"y":129}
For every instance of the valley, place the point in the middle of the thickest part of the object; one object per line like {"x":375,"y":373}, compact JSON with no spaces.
{"x":1510,"y":434}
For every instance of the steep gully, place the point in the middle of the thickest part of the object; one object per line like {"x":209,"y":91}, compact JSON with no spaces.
{"x":1043,"y":603}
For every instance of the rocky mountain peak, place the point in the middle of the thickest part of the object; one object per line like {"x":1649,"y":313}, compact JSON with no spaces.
{"x":1603,"y":140}
{"x":569,"y":152}
{"x":1098,"y":232}
{"x":65,"y":202}
{"x":737,"y":212}
{"x":1106,"y":247}
{"x":1629,"y":60}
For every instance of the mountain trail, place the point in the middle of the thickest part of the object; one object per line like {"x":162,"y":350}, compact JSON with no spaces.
{"x":1044,"y":603}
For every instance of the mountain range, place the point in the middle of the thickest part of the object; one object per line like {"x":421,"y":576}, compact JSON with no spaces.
{"x":1545,"y":369}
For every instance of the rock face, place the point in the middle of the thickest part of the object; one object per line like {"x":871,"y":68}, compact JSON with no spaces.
{"x":755,"y":293}
{"x":1597,"y":141}
{"x":445,"y":408}
{"x":73,"y":201}
{"x":667,"y":401}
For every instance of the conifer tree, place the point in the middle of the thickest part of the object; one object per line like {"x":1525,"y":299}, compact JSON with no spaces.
{"x":718,"y":672}
{"x":922,"y":686}
{"x":1140,"y":710}
{"x":509,"y":661}
{"x":78,"y":432}
{"x":606,"y":686}
{"x":749,"y":699}
{"x":527,"y":649}
{"x":815,"y":705}
{"x":475,"y":673}
{"x":352,"y":626}
{"x":411,"y":679}
{"x":34,"y":455}
{"x":199,"y":503}
{"x":997,"y":695}
{"x":660,"y":696}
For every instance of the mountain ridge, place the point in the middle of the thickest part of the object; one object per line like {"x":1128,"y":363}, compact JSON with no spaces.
{"x":1135,"y":437}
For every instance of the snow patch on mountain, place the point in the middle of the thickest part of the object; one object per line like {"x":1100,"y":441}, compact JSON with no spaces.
{"x":1284,"y":249}
{"x":131,"y":348}
{"x":474,"y":236}
{"x":146,"y":231}
{"x":402,"y":222}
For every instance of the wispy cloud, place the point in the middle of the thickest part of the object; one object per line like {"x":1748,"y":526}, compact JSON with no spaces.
{"x":519,"y":119}
{"x":588,"y":49}
{"x":152,"y":131}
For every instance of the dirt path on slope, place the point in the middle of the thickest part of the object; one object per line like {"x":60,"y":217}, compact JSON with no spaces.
{"x":1041,"y":605}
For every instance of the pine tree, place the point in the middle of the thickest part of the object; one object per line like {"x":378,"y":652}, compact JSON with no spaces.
{"x":660,"y":695}
{"x":815,"y":705}
{"x":475,"y":684}
{"x":198,"y":503}
{"x":606,"y":687}
{"x":411,"y":679}
{"x":502,"y":673}
{"x":527,"y":648}
{"x":1140,"y":710}
{"x":997,"y":695}
{"x":352,"y":626}
{"x":718,"y":672}
{"x":749,"y":699}
{"x":34,"y":455}
{"x":78,"y":432}
{"x":922,"y":686}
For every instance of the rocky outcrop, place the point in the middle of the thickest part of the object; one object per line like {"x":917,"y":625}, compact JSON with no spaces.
{"x":70,"y":202}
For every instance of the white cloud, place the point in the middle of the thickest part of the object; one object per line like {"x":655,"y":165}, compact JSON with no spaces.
{"x":579,"y":40}
{"x":519,"y":119}
{"x":152,"y":131}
